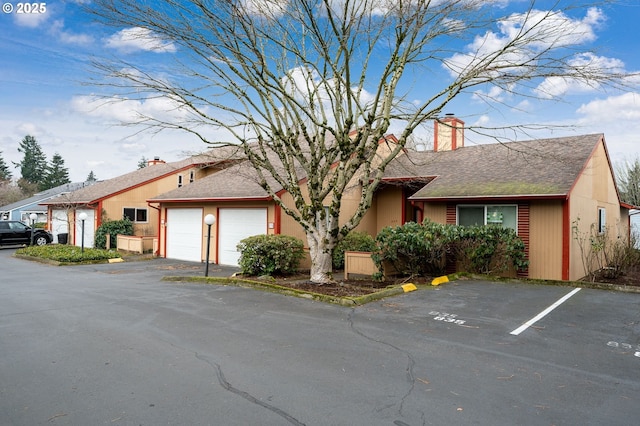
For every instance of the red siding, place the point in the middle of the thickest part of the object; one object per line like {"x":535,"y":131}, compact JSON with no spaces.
{"x":451,"y":214}
{"x":523,"y":232}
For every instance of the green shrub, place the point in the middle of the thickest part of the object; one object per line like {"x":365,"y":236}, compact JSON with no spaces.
{"x":354,"y":241}
{"x":113,"y":228}
{"x":270,"y":254}
{"x":489,"y":249}
{"x":413,"y":249}
{"x":422,"y":249}
{"x":67,"y":253}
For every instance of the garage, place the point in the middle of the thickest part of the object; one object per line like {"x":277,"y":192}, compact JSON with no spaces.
{"x":184,"y":234}
{"x":235,"y":225}
{"x":59,"y":224}
{"x":89,"y":228}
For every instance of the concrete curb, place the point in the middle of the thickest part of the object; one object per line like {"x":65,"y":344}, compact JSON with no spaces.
{"x":274,"y":288}
{"x":581,"y":284}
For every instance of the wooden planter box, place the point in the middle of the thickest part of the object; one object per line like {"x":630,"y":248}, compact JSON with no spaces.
{"x":135,"y":243}
{"x":358,"y":263}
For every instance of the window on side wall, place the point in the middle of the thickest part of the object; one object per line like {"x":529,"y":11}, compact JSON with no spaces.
{"x":179,"y":181}
{"x":192,"y":176}
{"x":135,"y":215}
{"x":505,"y":216}
{"x":602,"y":220}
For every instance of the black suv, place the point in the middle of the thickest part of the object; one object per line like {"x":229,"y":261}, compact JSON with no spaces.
{"x":13,"y":232}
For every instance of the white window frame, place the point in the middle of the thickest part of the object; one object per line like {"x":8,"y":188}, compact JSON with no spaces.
{"x":486,"y":206}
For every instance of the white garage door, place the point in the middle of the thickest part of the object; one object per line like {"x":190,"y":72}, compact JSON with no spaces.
{"x":184,"y":234}
{"x":235,"y":225}
{"x":59,"y":224}
{"x":89,"y":230}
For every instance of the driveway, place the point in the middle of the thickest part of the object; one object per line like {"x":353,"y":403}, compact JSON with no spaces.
{"x":114,"y":345}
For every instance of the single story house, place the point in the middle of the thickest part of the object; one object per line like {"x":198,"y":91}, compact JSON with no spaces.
{"x":22,"y":210}
{"x":543,"y":189}
{"x":126,"y":195}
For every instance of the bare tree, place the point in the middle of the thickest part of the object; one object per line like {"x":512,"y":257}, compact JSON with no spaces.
{"x":309,"y":88}
{"x":628,"y":177}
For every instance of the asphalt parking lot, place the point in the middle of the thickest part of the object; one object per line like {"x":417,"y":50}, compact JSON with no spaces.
{"x":113,"y":344}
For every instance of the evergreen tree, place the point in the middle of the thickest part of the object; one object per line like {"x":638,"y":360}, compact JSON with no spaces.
{"x":5,"y":173}
{"x":57,"y":174}
{"x":142,"y":163}
{"x":91,"y":177}
{"x":33,"y":166}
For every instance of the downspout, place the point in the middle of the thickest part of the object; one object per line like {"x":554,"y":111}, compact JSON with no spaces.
{"x":99,"y":215}
{"x":215,"y":243}
{"x":277,"y":218}
{"x":403,"y":208}
{"x":566,"y":239}
{"x":75,"y":212}
{"x":159,"y":222}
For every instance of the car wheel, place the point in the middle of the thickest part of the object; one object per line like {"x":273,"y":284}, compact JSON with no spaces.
{"x":41,"y":240}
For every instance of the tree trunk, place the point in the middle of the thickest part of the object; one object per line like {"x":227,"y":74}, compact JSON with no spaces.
{"x":321,"y":259}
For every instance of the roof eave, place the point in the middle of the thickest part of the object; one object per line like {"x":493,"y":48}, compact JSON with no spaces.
{"x":491,"y":197}
{"x":208,"y":199}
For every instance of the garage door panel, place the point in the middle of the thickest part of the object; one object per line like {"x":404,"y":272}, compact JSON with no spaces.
{"x":184,"y":234}
{"x":235,"y":225}
{"x":89,"y":230}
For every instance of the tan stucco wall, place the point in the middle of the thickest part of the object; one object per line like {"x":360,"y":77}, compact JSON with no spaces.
{"x":594,"y":189}
{"x":113,"y":207}
{"x":389,"y":202}
{"x":437,"y":212}
{"x":545,"y":240}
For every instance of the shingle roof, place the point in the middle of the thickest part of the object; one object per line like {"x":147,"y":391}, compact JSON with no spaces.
{"x":45,"y":195}
{"x":106,"y":188}
{"x":544,"y":167}
{"x":239,"y":181}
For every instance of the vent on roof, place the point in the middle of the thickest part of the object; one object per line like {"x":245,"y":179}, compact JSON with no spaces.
{"x":448,"y":133}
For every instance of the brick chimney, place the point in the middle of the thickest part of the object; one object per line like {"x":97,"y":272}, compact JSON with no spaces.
{"x":448,"y":133}
{"x":156,"y":160}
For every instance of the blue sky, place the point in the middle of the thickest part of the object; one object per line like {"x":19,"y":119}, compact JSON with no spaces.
{"x":45,"y":63}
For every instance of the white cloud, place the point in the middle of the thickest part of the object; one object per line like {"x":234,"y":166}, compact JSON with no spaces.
{"x":555,"y":86}
{"x":67,"y":37}
{"x":310,"y":88}
{"x":621,"y":109}
{"x":133,"y":147}
{"x":265,"y":8}
{"x":542,"y":30}
{"x":94,"y":163}
{"x":494,"y":94}
{"x":482,"y":121}
{"x":130,"y":111}
{"x":30,"y":20}
{"x":136,"y":38}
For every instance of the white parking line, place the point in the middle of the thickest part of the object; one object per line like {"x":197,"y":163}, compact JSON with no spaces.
{"x":542,"y":314}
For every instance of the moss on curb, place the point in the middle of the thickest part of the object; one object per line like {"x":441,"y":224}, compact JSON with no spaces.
{"x":387,"y":292}
{"x":58,"y":263}
{"x":274,"y":288}
{"x":558,"y":283}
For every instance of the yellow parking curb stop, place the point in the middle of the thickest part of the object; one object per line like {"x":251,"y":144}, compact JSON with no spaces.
{"x":409,"y":287}
{"x":440,"y":280}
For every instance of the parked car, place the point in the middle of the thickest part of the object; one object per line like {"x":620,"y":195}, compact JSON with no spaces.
{"x":13,"y":232}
